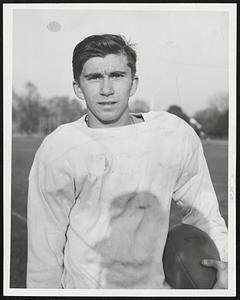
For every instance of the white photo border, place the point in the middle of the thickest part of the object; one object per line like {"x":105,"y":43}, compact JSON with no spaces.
{"x":7,"y":119}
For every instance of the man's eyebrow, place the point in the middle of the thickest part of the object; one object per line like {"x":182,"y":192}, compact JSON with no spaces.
{"x":92,"y":74}
{"x":118,"y":72}
{"x":97,"y":74}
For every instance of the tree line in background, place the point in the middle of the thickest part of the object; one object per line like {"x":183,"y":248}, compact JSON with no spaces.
{"x":31,"y":114}
{"x":210,"y":122}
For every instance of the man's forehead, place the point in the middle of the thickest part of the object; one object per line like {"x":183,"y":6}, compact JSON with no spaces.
{"x":108,"y":63}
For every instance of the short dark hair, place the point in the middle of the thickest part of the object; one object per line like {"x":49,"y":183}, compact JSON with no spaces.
{"x":100,"y":46}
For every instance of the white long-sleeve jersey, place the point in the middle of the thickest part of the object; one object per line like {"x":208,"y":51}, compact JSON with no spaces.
{"x":99,"y":202}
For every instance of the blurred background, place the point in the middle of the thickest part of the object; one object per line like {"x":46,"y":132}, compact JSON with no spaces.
{"x":182,"y":66}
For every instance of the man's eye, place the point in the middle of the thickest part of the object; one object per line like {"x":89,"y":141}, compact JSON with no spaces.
{"x":116,"y":75}
{"x":95,"y":77}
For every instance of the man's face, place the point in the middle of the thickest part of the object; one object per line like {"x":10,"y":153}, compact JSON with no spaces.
{"x":106,"y":84}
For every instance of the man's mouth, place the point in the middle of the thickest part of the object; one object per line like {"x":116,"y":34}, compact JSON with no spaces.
{"x":107,"y":103}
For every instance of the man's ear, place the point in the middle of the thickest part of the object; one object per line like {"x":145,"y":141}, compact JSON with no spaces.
{"x":134,"y":85}
{"x":78,"y":91}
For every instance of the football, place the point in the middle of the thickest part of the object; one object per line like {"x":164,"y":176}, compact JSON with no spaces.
{"x":185,"y":247}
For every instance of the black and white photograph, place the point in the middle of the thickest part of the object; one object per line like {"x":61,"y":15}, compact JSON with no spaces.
{"x":119,"y":149}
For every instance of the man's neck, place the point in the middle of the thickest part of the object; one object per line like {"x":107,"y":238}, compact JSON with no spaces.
{"x":125,"y":119}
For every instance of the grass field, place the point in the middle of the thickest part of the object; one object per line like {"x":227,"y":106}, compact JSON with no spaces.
{"x":23,"y":150}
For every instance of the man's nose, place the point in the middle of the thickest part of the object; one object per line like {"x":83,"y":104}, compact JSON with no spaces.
{"x":106,"y":87}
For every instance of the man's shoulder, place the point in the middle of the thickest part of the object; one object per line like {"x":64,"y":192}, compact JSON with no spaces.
{"x":63,"y":139}
{"x":174,"y":125}
{"x":167,"y":120}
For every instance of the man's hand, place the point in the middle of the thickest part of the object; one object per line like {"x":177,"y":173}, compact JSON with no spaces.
{"x":222,"y":272}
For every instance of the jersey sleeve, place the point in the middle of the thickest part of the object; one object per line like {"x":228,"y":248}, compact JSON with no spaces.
{"x":50,"y":198}
{"x":195,"y":195}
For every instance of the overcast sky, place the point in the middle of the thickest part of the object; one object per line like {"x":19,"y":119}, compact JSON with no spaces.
{"x":182,"y":55}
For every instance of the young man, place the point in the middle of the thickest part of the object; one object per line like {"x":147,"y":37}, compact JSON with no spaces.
{"x":100,"y":188}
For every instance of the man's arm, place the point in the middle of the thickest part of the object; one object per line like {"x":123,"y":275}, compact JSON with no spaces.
{"x":195,"y":194}
{"x":50,"y":197}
